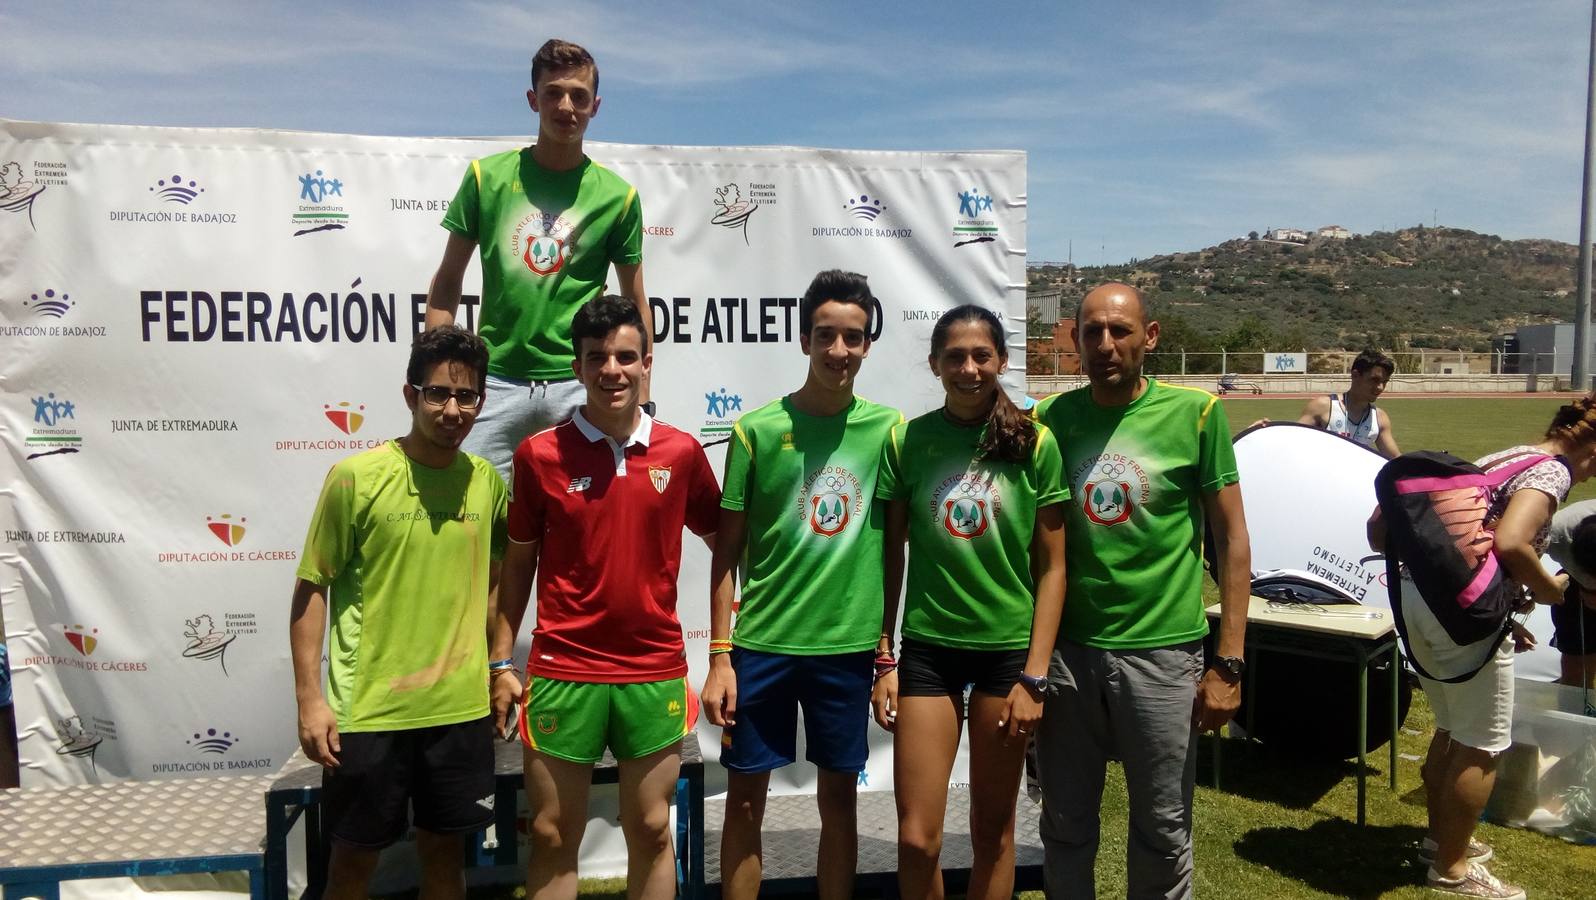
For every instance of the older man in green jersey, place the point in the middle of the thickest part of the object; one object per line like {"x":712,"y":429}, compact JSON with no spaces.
{"x":1150,"y":464}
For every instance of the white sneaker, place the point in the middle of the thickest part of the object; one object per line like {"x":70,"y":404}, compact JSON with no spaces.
{"x":1476,"y":882}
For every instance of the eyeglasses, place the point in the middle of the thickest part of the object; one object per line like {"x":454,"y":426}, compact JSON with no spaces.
{"x":438,"y":395}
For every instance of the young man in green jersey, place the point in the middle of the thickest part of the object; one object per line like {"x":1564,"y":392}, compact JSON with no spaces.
{"x":398,"y":550}
{"x":549,"y":223}
{"x":796,"y":514}
{"x":1149,"y":464}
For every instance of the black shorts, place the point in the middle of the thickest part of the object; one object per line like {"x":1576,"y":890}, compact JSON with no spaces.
{"x":927,"y":670}
{"x":1568,"y":635}
{"x":445,"y":772}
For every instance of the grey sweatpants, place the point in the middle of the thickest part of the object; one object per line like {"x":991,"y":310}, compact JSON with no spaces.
{"x":512,"y":411}
{"x":1134,"y":706}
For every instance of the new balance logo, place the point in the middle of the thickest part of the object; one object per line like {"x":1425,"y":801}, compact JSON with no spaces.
{"x":580,"y":484}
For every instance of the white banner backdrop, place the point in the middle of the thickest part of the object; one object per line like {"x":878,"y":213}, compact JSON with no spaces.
{"x":196,"y":323}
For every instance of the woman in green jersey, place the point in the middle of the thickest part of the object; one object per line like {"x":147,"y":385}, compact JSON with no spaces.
{"x":977,"y":490}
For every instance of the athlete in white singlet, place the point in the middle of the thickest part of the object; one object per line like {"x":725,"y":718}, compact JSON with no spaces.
{"x":1353,"y":415}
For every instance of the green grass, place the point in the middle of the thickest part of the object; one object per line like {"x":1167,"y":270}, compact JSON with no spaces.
{"x":1283,"y":828}
{"x":1469,"y":427}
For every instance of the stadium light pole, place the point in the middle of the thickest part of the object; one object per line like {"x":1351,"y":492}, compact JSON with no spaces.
{"x":1581,"y":364}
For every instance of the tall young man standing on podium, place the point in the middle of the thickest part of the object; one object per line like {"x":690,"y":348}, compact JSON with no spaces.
{"x":549,"y":223}
{"x":596,"y":514}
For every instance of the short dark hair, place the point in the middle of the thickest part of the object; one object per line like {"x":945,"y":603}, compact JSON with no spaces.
{"x":447,"y":343}
{"x":556,"y":56}
{"x":1582,"y":544}
{"x":602,"y":315}
{"x":1373,"y":359}
{"x":840,"y":286}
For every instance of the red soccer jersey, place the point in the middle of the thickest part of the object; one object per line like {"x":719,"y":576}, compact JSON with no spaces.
{"x":609,"y":521}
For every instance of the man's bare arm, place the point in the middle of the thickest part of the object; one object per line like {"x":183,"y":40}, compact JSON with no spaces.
{"x":1385,"y":441}
{"x":443,"y":297}
{"x":1315,"y":413}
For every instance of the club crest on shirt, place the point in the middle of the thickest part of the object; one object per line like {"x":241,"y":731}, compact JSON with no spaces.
{"x":544,"y":241}
{"x":831,"y":498}
{"x":966,"y":503}
{"x":548,"y":723}
{"x":661,"y":476}
{"x":1112,"y":486}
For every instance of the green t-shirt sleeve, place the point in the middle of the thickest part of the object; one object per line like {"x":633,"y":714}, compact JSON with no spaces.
{"x":466,"y":207}
{"x":626,"y":238}
{"x":1048,"y":465}
{"x":501,"y":514}
{"x":739,"y":465}
{"x":889,"y":480}
{"x":1217,"y":465}
{"x":331,"y":540}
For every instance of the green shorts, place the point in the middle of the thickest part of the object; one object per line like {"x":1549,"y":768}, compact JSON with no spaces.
{"x":576,"y":720}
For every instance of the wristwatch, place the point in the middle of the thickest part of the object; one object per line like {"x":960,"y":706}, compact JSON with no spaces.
{"x":1036,"y":683}
{"x":1230,"y":667}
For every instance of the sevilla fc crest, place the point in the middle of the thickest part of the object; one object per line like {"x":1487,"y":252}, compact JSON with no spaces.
{"x":661,"y":476}
{"x":544,"y":255}
{"x":829,"y":513}
{"x":1108,"y":502}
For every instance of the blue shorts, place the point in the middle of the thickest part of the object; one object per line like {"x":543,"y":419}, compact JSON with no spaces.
{"x":834,"y":693}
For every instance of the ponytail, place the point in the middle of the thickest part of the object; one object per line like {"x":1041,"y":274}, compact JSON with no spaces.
{"x":1010,"y":433}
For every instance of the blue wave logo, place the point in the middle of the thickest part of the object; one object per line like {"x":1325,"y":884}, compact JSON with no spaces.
{"x":864,"y":208}
{"x":173,"y":190}
{"x":50,"y":305}
{"x":211,"y":742}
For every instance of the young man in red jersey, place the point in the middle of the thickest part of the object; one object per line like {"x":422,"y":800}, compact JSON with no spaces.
{"x":597,"y":509}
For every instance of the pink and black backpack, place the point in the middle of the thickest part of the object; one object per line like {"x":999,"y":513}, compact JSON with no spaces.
{"x":1434,"y":506}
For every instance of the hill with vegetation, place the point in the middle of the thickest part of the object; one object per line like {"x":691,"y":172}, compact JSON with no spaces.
{"x":1444,"y":288}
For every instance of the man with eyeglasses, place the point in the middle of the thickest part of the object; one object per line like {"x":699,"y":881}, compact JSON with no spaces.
{"x":398,"y":551}
{"x":549,"y":223}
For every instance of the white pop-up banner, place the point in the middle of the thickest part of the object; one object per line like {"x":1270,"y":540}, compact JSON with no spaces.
{"x":196,"y":323}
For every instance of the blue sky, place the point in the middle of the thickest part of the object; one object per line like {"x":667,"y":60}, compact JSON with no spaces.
{"x":1151,"y":127}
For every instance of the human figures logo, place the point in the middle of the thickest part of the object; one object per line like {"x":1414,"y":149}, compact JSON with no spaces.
{"x":76,"y":740}
{"x":317,"y":189}
{"x":226,"y":530}
{"x":205,"y":642}
{"x":976,"y":222}
{"x":344,"y":418}
{"x":17,"y":192}
{"x":54,"y":429}
{"x":863,"y":207}
{"x":81,"y":637}
{"x":50,"y":306}
{"x":174,"y":190}
{"x":734,"y":210}
{"x":318,"y":209}
{"x":211,"y":742}
{"x":48,"y":411}
{"x":722,"y":404}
